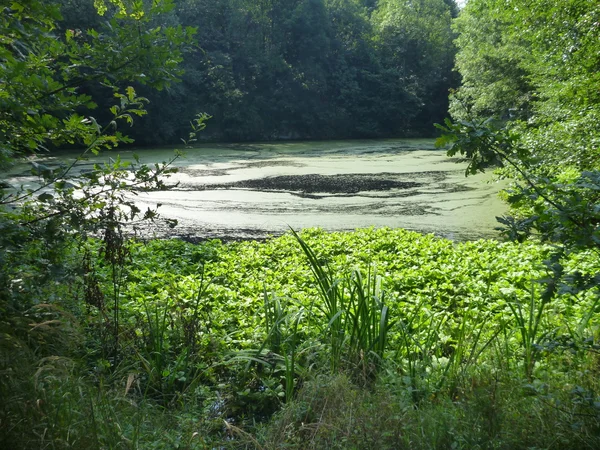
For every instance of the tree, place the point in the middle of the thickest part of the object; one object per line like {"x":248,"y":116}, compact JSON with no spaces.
{"x":274,"y":69}
{"x":534,"y":64}
{"x":414,"y":41}
{"x":45,"y":72}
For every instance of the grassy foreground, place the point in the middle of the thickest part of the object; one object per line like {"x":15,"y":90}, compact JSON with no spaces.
{"x":371,"y":339}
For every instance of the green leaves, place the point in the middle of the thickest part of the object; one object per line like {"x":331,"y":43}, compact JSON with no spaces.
{"x":447,"y":310}
{"x":130,"y":104}
{"x":531,"y":63}
{"x":42,"y":70}
{"x":484,"y":143}
{"x":197,"y":125}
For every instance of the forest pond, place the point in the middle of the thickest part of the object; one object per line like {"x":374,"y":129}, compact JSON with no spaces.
{"x":239,"y":191}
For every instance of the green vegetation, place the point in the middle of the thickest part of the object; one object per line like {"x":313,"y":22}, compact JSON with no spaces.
{"x":371,"y":339}
{"x":533,"y":63}
{"x":529,"y":102}
{"x":443,"y":345}
{"x":300,"y":69}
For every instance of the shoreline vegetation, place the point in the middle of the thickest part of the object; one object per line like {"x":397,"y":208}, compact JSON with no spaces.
{"x":378,"y":338}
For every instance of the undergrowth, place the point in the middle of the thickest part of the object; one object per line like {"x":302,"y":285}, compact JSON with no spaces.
{"x":371,"y":339}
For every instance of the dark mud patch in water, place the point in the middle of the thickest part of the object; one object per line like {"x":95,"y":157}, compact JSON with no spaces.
{"x":255,"y":190}
{"x":261,"y":164}
{"x":328,"y":184}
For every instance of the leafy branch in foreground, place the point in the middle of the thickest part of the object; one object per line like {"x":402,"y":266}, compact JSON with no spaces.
{"x":43,"y":68}
{"x":565,"y":211}
{"x":44,"y":74}
{"x":562,"y":210}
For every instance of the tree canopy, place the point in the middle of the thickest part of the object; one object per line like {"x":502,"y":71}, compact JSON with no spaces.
{"x":534,"y":63}
{"x":529,"y":101}
{"x":280,"y":69}
{"x":52,"y":73}
{"x":50,"y":78}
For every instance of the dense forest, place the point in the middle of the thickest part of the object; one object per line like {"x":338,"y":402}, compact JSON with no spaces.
{"x":298,"y":69}
{"x":377,"y":338}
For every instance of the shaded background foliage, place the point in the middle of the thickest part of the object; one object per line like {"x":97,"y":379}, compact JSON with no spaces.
{"x":297,"y":69}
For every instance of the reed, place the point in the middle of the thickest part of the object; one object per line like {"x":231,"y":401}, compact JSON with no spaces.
{"x":358,"y":319}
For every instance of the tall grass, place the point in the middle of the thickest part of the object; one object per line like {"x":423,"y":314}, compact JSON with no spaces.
{"x":368,"y":322}
{"x":279,"y":349}
{"x":332,"y":305}
{"x":357,"y":317}
{"x":419,"y":339}
{"x":528,"y":319}
{"x":471,"y":342}
{"x":282,"y":338}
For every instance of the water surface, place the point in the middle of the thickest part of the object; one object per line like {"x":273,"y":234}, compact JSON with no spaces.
{"x":255,"y":190}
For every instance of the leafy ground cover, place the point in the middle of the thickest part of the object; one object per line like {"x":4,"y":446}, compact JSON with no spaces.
{"x":377,"y":338}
